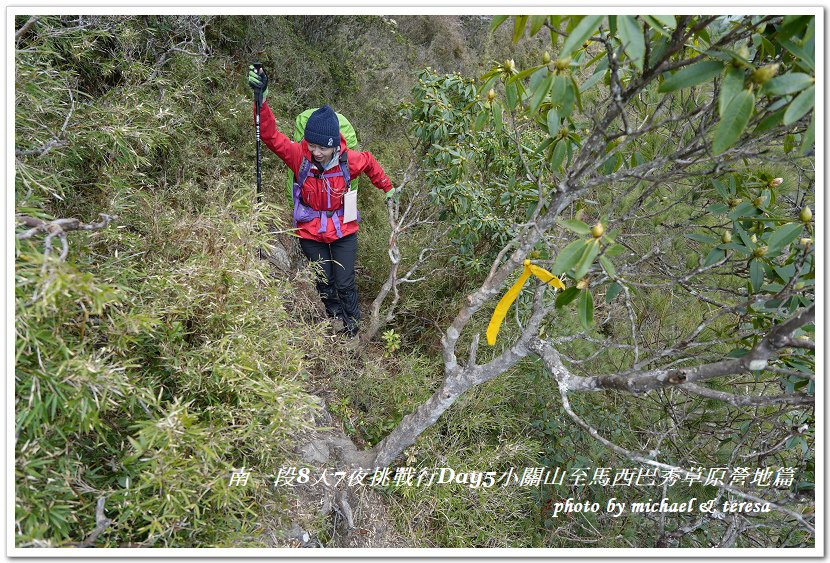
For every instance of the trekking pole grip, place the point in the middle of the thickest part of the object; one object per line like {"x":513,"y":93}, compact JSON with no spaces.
{"x":258,"y":91}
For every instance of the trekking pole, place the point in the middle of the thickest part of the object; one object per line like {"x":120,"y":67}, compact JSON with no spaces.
{"x":258,"y":101}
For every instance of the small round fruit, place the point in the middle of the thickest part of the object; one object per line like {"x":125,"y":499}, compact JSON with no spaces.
{"x":726,"y":237}
{"x":491,"y":95}
{"x":805,"y":214}
{"x":546,"y":58}
{"x":597,"y":230}
{"x":760,"y":251}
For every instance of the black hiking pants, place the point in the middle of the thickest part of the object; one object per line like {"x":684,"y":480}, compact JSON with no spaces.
{"x":337,"y":290}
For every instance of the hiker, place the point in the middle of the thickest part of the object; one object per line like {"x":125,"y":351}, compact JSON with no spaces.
{"x":325,"y":221}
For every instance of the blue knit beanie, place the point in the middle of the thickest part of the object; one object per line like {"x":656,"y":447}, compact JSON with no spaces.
{"x":323,"y":128}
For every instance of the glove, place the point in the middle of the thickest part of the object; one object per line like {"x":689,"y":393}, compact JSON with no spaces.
{"x":393,"y":195}
{"x":258,"y":81}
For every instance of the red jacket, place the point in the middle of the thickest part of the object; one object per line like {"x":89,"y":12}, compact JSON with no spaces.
{"x":313,"y":192}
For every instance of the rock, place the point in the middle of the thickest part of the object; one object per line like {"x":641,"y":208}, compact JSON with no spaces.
{"x":279,"y":258}
{"x":315,"y":452}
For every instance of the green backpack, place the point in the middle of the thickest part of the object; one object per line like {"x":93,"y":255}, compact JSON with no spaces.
{"x":299,"y":131}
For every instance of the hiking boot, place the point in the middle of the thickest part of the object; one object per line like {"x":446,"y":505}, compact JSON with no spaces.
{"x":350,"y":329}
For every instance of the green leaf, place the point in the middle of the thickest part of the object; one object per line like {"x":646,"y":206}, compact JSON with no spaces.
{"x":783,"y":236}
{"x":553,"y":122}
{"x":583,"y":30}
{"x":803,"y":103}
{"x":536,"y":23}
{"x":734,"y":121}
{"x":612,"y":25}
{"x":540,"y":92}
{"x":809,"y":140}
{"x":519,"y":28}
{"x":567,"y":296}
{"x":608,"y":265}
{"x":497,"y":117}
{"x":789,"y":143}
{"x":715,"y":256}
{"x":512,"y":91}
{"x":544,"y":145}
{"x":491,"y":82}
{"x":667,"y":21}
{"x":568,"y":257}
{"x":481,"y":120}
{"x":722,"y":190}
{"x":703,"y":34}
{"x":632,"y":39}
{"x":655,"y":24}
{"x":614,"y":249}
{"x":611,"y":164}
{"x":804,"y":55}
{"x":767,"y":48}
{"x":497,"y":21}
{"x":568,"y":96}
{"x":587,"y":259}
{"x":613,"y":290}
{"x":596,"y":77}
{"x":574,"y":89}
{"x":637,"y":159}
{"x":691,"y":76}
{"x":789,"y":83}
{"x":523,"y":74}
{"x":770,"y":121}
{"x":744,"y":210}
{"x":586,"y":309}
{"x":559,"y":152}
{"x":785,"y":273}
{"x":575,"y":225}
{"x":557,"y":90}
{"x":733,"y":83}
{"x":756,"y":274}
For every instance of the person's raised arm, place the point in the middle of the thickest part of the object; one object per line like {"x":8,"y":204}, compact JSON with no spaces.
{"x":288,"y":151}
{"x":365,"y":163}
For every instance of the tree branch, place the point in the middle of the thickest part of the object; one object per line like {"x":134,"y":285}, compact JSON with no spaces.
{"x":26,"y":27}
{"x":648,"y":461}
{"x":649,"y":380}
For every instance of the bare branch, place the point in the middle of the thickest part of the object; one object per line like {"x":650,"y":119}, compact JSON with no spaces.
{"x":58,"y":228}
{"x":101,"y":524}
{"x":744,"y":400}
{"x":26,"y":27}
{"x":643,"y":381}
{"x":648,"y":461}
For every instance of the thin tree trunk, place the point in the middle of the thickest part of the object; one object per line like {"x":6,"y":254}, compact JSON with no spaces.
{"x":414,"y":424}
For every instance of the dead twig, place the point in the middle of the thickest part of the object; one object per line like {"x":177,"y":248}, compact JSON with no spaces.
{"x":58,"y":228}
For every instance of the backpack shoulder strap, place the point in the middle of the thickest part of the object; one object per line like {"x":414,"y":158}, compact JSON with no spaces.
{"x":344,"y":168}
{"x":305,"y":168}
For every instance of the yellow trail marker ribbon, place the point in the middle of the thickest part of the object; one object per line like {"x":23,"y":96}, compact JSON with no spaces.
{"x":507,"y":300}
